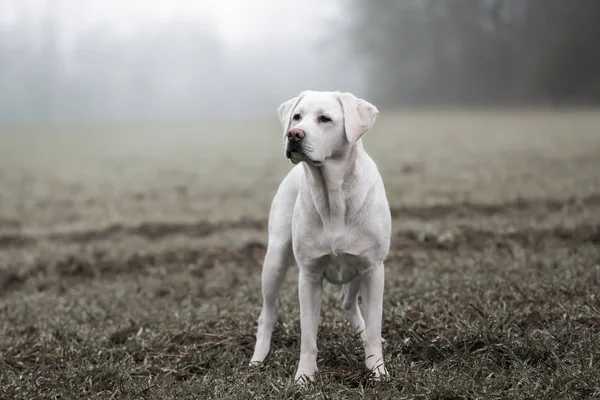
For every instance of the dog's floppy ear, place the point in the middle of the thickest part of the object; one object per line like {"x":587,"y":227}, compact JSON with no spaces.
{"x":284,"y":111}
{"x":359,"y":116}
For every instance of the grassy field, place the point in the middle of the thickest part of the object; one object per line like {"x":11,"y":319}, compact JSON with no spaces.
{"x":130,"y":261}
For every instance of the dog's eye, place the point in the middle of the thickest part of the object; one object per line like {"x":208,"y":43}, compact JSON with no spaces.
{"x":324,"y":119}
{"x":296,"y":117}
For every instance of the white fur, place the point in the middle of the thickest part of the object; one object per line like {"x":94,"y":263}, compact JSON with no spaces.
{"x":331,"y":216}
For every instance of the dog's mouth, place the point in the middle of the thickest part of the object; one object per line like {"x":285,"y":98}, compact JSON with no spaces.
{"x":296,"y":155}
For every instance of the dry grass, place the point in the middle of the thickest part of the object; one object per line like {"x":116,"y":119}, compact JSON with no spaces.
{"x":130,"y":261}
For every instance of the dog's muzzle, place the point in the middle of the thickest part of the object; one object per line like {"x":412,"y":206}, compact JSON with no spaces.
{"x":295,"y":138}
{"x":295,"y":153}
{"x":294,"y":148}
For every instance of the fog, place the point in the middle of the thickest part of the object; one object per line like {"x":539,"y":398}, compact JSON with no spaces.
{"x":87,"y":60}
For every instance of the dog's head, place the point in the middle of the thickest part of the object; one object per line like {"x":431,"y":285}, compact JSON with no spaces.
{"x":322,"y":125}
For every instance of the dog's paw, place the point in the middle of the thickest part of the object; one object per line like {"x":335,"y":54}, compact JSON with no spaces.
{"x":377,"y":367}
{"x":304,"y":376}
{"x":255,"y":363}
{"x":380,"y":373}
{"x":261,"y":351}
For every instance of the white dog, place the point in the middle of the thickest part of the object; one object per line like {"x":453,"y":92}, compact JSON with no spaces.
{"x":331,"y":215}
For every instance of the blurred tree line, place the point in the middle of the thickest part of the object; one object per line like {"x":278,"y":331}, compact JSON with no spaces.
{"x":476,"y":52}
{"x":397,"y":52}
{"x":173,"y":69}
{"x":103,"y":76}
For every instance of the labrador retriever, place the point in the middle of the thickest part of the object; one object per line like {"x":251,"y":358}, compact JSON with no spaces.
{"x":331,"y":216}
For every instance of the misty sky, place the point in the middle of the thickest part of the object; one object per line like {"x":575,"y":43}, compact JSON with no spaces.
{"x":236,"y":22}
{"x":72,"y":59}
{"x":63,"y":60}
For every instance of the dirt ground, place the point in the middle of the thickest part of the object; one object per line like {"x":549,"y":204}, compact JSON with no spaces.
{"x":130,"y":259}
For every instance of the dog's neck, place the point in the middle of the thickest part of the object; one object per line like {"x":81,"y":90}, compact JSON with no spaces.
{"x":333,"y":185}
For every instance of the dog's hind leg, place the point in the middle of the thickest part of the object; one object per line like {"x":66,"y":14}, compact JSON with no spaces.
{"x":372,"y":286}
{"x":349,"y":298}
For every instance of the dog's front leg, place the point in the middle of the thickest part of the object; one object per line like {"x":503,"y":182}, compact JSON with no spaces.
{"x":310,"y":291}
{"x":372,"y":296}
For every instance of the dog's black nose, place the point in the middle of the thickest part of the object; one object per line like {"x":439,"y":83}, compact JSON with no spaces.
{"x":295,"y":135}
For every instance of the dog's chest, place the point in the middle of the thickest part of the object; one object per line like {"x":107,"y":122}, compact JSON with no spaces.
{"x":336,"y":241}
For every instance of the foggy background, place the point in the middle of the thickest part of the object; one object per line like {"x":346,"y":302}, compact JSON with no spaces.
{"x":109,"y":60}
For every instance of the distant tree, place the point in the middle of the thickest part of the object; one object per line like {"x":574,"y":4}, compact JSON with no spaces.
{"x":475,"y":52}
{"x":564,"y":39}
